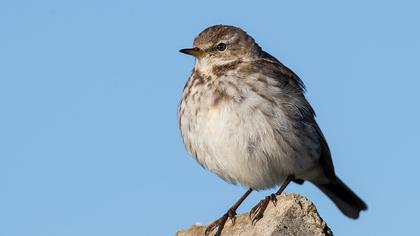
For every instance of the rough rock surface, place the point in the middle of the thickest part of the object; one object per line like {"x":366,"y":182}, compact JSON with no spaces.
{"x":293,"y":215}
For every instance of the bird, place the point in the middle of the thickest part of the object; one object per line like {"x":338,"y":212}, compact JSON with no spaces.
{"x":243,"y":115}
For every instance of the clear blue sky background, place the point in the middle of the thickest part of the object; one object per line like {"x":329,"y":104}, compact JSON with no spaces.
{"x":89,"y":141}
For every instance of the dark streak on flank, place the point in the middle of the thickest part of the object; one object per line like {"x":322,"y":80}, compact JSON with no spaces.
{"x":231,"y":84}
{"x":271,"y":100}
{"x":219,"y":97}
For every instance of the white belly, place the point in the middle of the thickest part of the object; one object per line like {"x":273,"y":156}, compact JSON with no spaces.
{"x":239,"y":144}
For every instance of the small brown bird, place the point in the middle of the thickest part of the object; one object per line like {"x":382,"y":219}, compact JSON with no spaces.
{"x":244,"y":116}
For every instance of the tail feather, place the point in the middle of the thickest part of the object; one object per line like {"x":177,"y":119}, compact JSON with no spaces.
{"x":345,"y":199}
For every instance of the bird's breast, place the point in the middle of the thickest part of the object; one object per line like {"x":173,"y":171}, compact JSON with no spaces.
{"x":237,"y":134}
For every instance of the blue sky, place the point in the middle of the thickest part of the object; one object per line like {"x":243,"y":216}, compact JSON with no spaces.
{"x":89,"y":142}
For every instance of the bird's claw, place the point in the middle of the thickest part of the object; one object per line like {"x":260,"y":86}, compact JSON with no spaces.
{"x":218,"y":225}
{"x":232,"y":216}
{"x":257,"y":212}
{"x":273,"y":199}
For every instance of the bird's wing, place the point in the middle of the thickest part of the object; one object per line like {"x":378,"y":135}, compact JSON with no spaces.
{"x":325,"y":158}
{"x":281,"y":71}
{"x":290,"y":82}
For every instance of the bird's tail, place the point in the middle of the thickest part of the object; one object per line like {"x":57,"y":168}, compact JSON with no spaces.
{"x":345,"y":199}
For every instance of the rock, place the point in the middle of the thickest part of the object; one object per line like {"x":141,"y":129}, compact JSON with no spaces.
{"x":293,"y":215}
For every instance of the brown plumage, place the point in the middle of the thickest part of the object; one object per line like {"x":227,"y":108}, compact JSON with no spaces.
{"x":243,"y":115}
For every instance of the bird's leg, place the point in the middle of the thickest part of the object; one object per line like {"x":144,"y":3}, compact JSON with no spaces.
{"x":257,"y":212}
{"x":230,"y":214}
{"x":284,"y":185}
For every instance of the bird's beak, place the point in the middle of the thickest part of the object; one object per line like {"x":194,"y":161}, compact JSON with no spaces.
{"x":196,"y":52}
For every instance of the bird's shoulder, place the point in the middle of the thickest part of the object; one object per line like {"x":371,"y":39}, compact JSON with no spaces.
{"x":269,"y":66}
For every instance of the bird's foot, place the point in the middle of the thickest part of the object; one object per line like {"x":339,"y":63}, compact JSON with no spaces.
{"x":257,"y":212}
{"x":218,"y":225}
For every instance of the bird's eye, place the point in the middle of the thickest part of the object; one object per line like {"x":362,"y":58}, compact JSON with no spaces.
{"x":221,"y":47}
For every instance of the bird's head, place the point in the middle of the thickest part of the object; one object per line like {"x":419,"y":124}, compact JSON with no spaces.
{"x":221,"y":44}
